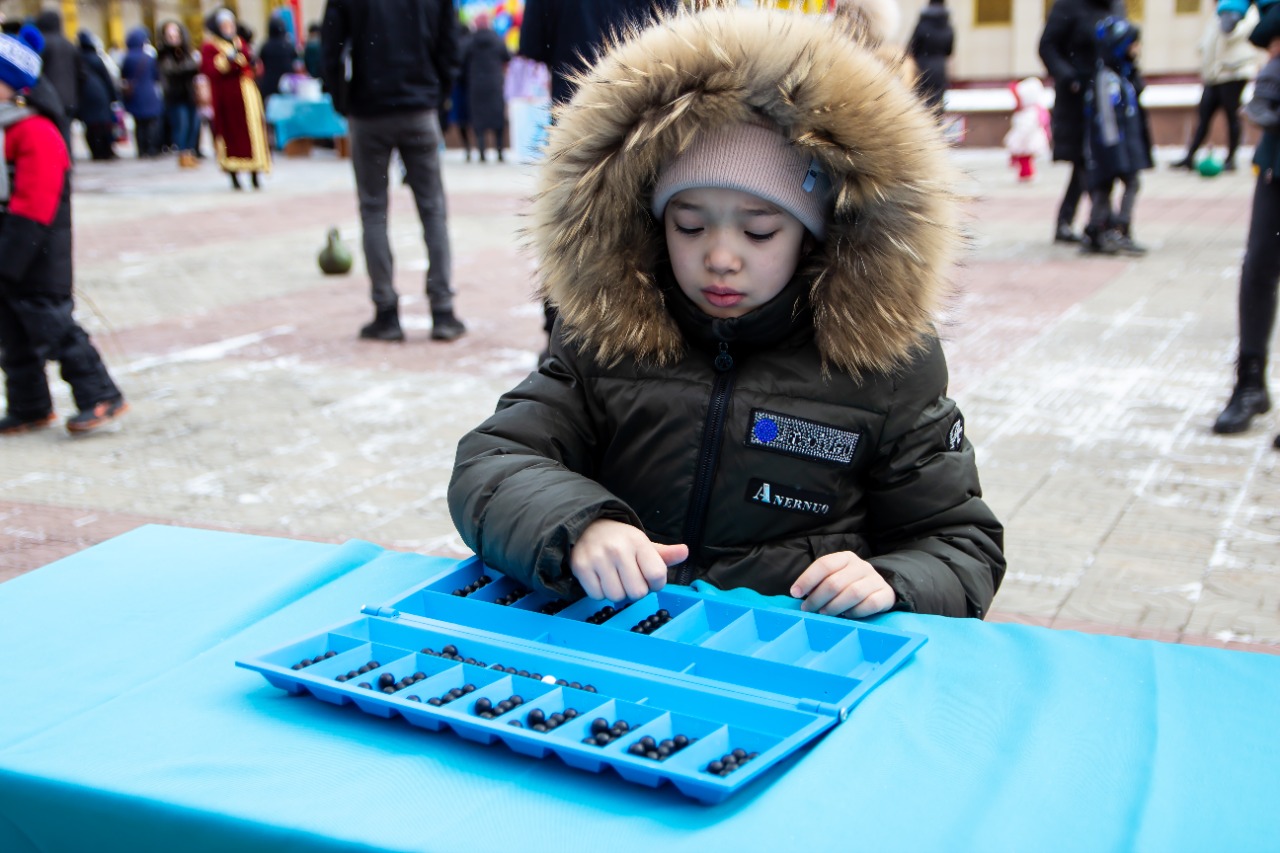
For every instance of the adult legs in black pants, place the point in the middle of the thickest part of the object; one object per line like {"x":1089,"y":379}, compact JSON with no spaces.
{"x":1259,"y":276}
{"x":1224,"y":97}
{"x":1070,"y":203}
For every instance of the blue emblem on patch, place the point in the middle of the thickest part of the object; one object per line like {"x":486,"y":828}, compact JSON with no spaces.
{"x":765,"y":430}
{"x":799,"y":437}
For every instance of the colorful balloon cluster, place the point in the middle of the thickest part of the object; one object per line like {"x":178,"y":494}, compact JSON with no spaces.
{"x":505,"y":17}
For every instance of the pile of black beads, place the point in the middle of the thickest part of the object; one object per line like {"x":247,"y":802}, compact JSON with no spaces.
{"x":450,"y":652}
{"x":730,"y":761}
{"x":541,"y":721}
{"x":446,"y":698}
{"x":479,"y":583}
{"x":576,"y":685}
{"x":604,"y":614}
{"x":652,"y":623}
{"x":306,"y":662}
{"x":512,"y":597}
{"x":485,"y":708}
{"x":511,"y":670}
{"x":387,"y":682}
{"x":355,"y":673}
{"x":655,"y":750}
{"x":551,"y":608}
{"x":603,"y":734}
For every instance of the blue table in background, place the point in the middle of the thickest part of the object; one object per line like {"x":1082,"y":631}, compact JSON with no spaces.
{"x":294,"y":118}
{"x":126,"y":726}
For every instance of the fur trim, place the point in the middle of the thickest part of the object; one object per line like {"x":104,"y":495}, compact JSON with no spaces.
{"x":877,"y":20}
{"x":878,"y":278}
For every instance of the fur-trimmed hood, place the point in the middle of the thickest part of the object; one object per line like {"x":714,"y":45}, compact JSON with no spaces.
{"x":877,"y":280}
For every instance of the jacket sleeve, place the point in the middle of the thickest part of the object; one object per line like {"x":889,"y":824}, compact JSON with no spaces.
{"x":537,"y":31}
{"x":36,"y":195}
{"x":1056,"y":30}
{"x":444,"y":55}
{"x":522,"y":490}
{"x":932,"y":537}
{"x":334,"y":31}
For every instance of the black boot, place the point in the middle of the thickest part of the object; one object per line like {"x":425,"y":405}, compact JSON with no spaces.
{"x":446,"y":327}
{"x":253,"y":177}
{"x":385,"y":326}
{"x":1064,"y":234}
{"x":235,"y":180}
{"x":1126,"y":242}
{"x":1248,"y":399}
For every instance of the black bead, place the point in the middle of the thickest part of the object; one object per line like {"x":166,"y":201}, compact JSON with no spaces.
{"x":329,"y":654}
{"x":516,"y":723}
{"x":503,"y":707}
{"x":599,"y":724}
{"x":429,"y":651}
{"x":562,"y":682}
{"x":414,"y":698}
{"x":715,"y":767}
{"x":366,"y":685}
{"x":663,"y":614}
{"x":556,"y":718}
{"x":590,"y":741}
{"x":524,"y":673}
{"x":540,"y":727}
{"x":435,"y":700}
{"x":296,"y":666}
{"x":604,"y":738}
{"x":459,"y":592}
{"x":636,"y":749}
{"x":537,"y":715}
{"x":449,"y":650}
{"x":667,"y":743}
{"x":648,"y":742}
{"x":570,"y":713}
{"x":373,"y":664}
{"x":575,"y":685}
{"x":652,"y":755}
{"x":739,"y":753}
{"x":388,"y":689}
{"x":663,"y":750}
{"x":589,"y":688}
{"x":482,"y":705}
{"x":353,"y":674}
{"x":341,"y":678}
{"x":386,"y":679}
{"x":468,"y":688}
{"x":516,"y":700}
{"x":639,"y":629}
{"x":418,"y":676}
{"x":680,"y":741}
{"x":455,"y":693}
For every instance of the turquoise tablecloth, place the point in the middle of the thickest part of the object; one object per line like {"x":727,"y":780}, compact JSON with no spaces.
{"x":293,"y":118}
{"x":125,"y":726}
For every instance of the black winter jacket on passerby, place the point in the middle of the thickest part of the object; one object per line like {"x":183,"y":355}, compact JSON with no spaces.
{"x":931,"y":44}
{"x":484,"y":64}
{"x":97,"y":89}
{"x":179,"y":65}
{"x":60,"y":61}
{"x":403,"y":53}
{"x":814,"y":424}
{"x":565,"y":34}
{"x":278,"y":57}
{"x":1067,"y":48}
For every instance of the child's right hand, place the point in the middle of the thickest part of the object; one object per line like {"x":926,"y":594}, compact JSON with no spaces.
{"x":617,"y":562}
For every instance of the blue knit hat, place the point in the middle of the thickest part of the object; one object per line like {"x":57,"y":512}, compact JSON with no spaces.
{"x":20,"y":58}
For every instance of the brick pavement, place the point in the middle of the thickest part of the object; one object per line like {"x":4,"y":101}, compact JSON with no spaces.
{"x":1088,"y":386}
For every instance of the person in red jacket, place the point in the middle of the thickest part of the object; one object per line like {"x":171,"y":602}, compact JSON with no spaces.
{"x":36,"y":322}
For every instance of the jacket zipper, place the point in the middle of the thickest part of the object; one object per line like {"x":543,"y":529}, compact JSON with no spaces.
{"x":708,"y":457}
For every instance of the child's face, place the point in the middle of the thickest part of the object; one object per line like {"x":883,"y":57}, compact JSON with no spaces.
{"x":6,"y":91}
{"x":172,"y":35}
{"x":731,"y":251}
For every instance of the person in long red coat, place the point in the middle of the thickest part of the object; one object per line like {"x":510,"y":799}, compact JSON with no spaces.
{"x":239,"y":127}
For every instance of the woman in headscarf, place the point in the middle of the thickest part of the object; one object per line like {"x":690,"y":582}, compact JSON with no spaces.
{"x":239,"y":129}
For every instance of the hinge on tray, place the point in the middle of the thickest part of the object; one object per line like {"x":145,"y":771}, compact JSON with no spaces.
{"x":826,"y":709}
{"x":386,"y":612}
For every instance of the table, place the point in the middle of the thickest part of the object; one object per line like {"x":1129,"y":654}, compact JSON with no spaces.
{"x":297,"y":118}
{"x":125,"y":725}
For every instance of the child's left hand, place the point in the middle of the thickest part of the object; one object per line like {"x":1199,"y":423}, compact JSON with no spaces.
{"x":838,"y":582}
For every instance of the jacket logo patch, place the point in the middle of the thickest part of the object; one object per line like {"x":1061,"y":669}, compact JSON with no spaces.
{"x":798,"y":437}
{"x":955,"y":438}
{"x":788,"y":498}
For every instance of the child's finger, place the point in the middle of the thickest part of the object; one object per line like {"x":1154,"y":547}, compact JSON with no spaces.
{"x":672,"y":555}
{"x":878,"y":601}
{"x":590,"y":583}
{"x":635,"y":579}
{"x":611,"y":586}
{"x":818,"y":571}
{"x":653,"y":569}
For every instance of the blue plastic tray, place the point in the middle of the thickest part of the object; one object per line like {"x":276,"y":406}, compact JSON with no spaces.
{"x":727,"y":677}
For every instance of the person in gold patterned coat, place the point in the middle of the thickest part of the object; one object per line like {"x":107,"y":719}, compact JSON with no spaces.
{"x":239,"y":129}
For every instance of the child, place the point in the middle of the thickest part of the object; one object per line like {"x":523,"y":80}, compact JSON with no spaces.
{"x":744,"y":218}
{"x":36,"y":323}
{"x":1117,"y":143}
{"x":1028,"y":136}
{"x":1260,"y":272}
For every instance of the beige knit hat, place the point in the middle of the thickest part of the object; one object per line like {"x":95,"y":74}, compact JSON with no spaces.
{"x":755,"y":158}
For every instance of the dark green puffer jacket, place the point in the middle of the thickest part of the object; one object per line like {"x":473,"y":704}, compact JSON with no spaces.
{"x":814,"y":424}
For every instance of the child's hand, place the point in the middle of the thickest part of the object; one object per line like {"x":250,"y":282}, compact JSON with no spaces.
{"x":843,"y":580}
{"x":616,"y":561}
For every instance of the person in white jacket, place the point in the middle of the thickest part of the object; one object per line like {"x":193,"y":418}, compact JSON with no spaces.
{"x":1227,"y":63}
{"x":1028,"y":136}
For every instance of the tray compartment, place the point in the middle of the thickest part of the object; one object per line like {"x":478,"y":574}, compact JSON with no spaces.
{"x":663,"y":728}
{"x":752,"y":631}
{"x":700,"y":621}
{"x":645,"y":608}
{"x":585,"y":609}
